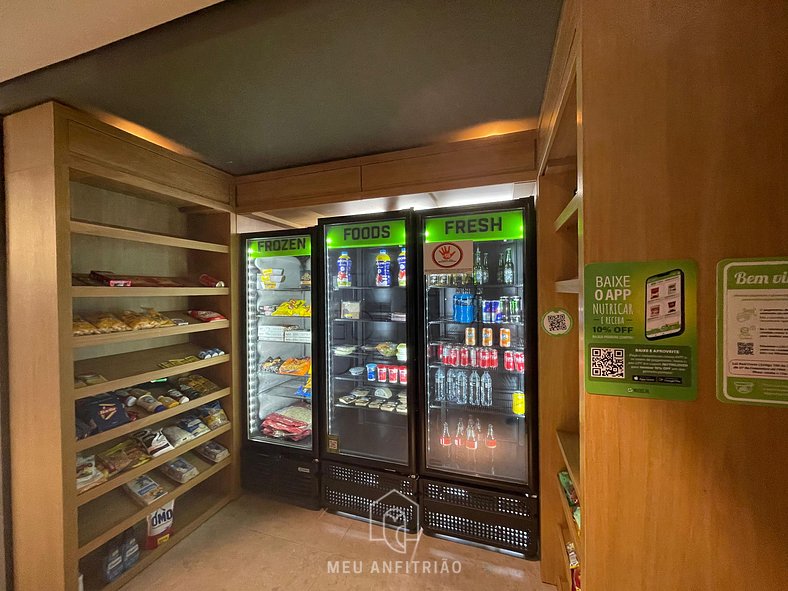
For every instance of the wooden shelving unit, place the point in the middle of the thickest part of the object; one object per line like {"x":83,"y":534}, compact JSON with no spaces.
{"x":76,"y":203}
{"x":568,"y":286}
{"x":569,"y":444}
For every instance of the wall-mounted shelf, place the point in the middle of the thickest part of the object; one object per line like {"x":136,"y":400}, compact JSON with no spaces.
{"x":574,"y":534}
{"x":568,"y":286}
{"x":569,"y":213}
{"x":569,"y":443}
{"x":120,"y":233}
{"x":90,"y":291}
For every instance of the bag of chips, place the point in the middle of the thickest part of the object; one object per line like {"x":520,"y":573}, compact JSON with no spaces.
{"x":154,"y":441}
{"x":212,"y":451}
{"x":213,"y":415}
{"x":157,"y":318}
{"x":103,"y":412}
{"x":106,"y":322}
{"x":137,"y":320}
{"x":206,"y":315}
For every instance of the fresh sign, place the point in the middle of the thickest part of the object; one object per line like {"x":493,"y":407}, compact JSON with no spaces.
{"x":500,"y":225}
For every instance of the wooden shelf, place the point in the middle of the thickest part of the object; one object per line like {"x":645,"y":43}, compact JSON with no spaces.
{"x":121,"y":233}
{"x":148,"y":420}
{"x":563,"y":538}
{"x":124,"y":477}
{"x":129,"y":369}
{"x":89,"y":291}
{"x":114,"y":513}
{"x":574,"y":534}
{"x":194,"y":325}
{"x":190,"y":514}
{"x":568,"y":286}
{"x":569,"y":443}
{"x":569,"y":213}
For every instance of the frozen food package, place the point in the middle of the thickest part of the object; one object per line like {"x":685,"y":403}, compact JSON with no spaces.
{"x":160,"y":526}
{"x":82,"y":327}
{"x":137,"y":320}
{"x":179,"y":470}
{"x":89,"y":473}
{"x":206,"y":315}
{"x":176,"y":436}
{"x":154,"y":441}
{"x":159,"y":319}
{"x":106,"y":322}
{"x":212,"y":451}
{"x":213,"y":415}
{"x":144,"y":490}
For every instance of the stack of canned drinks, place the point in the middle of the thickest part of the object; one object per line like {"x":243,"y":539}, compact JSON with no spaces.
{"x":503,"y":310}
{"x":393,"y":374}
{"x":481,"y":357}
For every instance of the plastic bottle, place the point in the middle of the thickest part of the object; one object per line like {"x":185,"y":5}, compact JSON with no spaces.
{"x":402,"y":261}
{"x":477,"y":267}
{"x":343,"y":269}
{"x":383,"y":269}
{"x":508,"y":268}
{"x":486,"y":392}
{"x":462,"y":396}
{"x":440,"y":385}
{"x":459,"y":437}
{"x":475,"y":389}
{"x":485,"y":270}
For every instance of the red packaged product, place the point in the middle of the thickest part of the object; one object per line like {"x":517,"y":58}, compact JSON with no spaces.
{"x":206,"y":315}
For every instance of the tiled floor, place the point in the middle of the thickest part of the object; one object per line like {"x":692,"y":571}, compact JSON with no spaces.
{"x":256,"y":544}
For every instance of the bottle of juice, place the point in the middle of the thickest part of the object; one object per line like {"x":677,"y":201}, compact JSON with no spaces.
{"x":401,"y":262}
{"x":383,"y":265}
{"x":343,"y":269}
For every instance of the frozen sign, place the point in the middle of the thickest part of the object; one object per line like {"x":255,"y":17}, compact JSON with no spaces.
{"x":453,"y":257}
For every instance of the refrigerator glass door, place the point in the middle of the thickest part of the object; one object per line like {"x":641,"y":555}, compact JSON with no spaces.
{"x":366,"y":304}
{"x":475,"y":346}
{"x":279,"y":340}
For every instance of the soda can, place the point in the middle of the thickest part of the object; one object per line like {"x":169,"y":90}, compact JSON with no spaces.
{"x":393,"y":374}
{"x":504,"y":308}
{"x":465,"y":357}
{"x":443,"y":353}
{"x":487,"y":337}
{"x":487,"y":311}
{"x":484,"y":357}
{"x":372,"y":371}
{"x":454,"y":356}
{"x":495,"y":315}
{"x":403,"y":375}
{"x":515,"y":309}
{"x":473,"y":358}
{"x":519,"y":362}
{"x":493,"y":358}
{"x":518,"y":402}
{"x":383,"y":373}
{"x":470,"y":336}
{"x":508,"y":360}
{"x":505,"y":337}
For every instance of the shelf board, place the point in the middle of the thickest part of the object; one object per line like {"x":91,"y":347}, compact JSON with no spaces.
{"x":106,"y":520}
{"x":574,"y":534}
{"x":129,"y":369}
{"x":569,"y":443}
{"x":191,"y":514}
{"x":90,"y":291}
{"x":129,"y":475}
{"x":569,"y":213}
{"x":568,"y":286}
{"x":194,"y":325}
{"x":148,"y":420}
{"x":121,"y":233}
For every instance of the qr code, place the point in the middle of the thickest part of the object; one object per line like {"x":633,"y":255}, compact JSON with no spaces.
{"x":745,"y":348}
{"x":557,"y":323}
{"x":607,"y":362}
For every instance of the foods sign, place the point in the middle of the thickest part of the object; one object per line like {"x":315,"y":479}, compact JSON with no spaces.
{"x":449,"y":257}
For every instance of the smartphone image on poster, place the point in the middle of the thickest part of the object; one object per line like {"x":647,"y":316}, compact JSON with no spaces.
{"x":665,"y":305}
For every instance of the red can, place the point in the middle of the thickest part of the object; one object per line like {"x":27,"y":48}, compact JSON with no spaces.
{"x":439,"y":351}
{"x":383,"y":373}
{"x":484,"y":358}
{"x":393,"y":374}
{"x":445,"y":354}
{"x":403,"y":374}
{"x":508,"y":360}
{"x":465,"y":357}
{"x":473,"y":358}
{"x":454,"y":356}
{"x":519,"y":362}
{"x":493,"y":358}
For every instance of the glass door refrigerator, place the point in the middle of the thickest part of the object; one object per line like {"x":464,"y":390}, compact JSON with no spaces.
{"x":368,"y":343}
{"x":478,"y":477}
{"x":279,"y":456}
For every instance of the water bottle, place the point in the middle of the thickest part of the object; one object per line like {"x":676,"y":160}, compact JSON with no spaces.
{"x":440,"y":385}
{"x":475,"y":389}
{"x":451,"y":385}
{"x":486,"y":391}
{"x":462,"y":398}
{"x":383,"y":267}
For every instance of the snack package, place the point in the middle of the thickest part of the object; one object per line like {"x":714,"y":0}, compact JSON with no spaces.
{"x":81,"y":327}
{"x":293,"y":307}
{"x":271,"y":365}
{"x":136,"y":320}
{"x":196,"y":383}
{"x":130,"y":549}
{"x":144,"y":490}
{"x":89,"y":474}
{"x":168,"y":401}
{"x":179,"y":470}
{"x":206,"y":315}
{"x":154,"y":441}
{"x":106,"y":322}
{"x":212,"y":451}
{"x":192,"y":424}
{"x":387,"y":349}
{"x":123,"y":456}
{"x":158,"y":319}
{"x":103,"y":412}
{"x":296,"y":366}
{"x":176,"y":436}
{"x":213,"y":415}
{"x":160,"y":526}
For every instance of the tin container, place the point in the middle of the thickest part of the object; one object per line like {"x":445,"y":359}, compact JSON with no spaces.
{"x":518,"y":402}
{"x":505,"y":337}
{"x":470,"y":336}
{"x":495,"y":313}
{"x":487,"y":337}
{"x":508,"y":360}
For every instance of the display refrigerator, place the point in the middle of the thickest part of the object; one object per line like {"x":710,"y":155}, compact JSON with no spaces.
{"x":477,"y":375}
{"x":280,"y":454}
{"x":368,"y":446}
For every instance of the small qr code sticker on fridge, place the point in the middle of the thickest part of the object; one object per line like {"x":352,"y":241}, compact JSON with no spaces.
{"x":607,"y":362}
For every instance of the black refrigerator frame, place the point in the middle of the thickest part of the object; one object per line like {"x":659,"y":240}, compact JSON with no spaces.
{"x":458,"y":499}
{"x":279,"y":471}
{"x":357,"y":485}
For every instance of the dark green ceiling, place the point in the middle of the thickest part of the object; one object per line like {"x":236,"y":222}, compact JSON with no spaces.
{"x":260,"y":85}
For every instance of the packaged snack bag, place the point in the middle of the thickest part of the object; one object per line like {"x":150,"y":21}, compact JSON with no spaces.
{"x":212,"y":451}
{"x":206,"y":315}
{"x":179,"y":470}
{"x":213,"y":415}
{"x":81,"y":327}
{"x":137,"y":320}
{"x":106,"y":322}
{"x":144,"y":490}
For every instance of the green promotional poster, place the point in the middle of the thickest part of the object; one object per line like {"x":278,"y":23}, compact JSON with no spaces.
{"x":281,"y":246}
{"x":752,"y":331}
{"x":479,"y":227}
{"x":378,"y":233}
{"x":641,"y":329}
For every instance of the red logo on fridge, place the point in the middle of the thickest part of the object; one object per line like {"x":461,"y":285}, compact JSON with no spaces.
{"x":447,"y":255}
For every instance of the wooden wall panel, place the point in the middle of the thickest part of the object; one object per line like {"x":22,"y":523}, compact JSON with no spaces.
{"x":685,"y":157}
{"x":290,"y":189}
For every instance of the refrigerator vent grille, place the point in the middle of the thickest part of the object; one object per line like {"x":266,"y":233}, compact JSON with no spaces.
{"x":476,"y":499}
{"x":370,"y":479}
{"x":480,"y":531}
{"x":363,"y":506}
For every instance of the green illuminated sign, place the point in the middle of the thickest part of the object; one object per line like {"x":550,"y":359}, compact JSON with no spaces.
{"x":284,"y":246}
{"x":479,"y":227}
{"x":380,"y":233}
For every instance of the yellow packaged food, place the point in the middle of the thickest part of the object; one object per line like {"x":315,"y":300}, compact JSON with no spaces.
{"x":137,"y":320}
{"x":157,"y":318}
{"x":82,"y":327}
{"x":296,"y":366}
{"x":106,"y":322}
